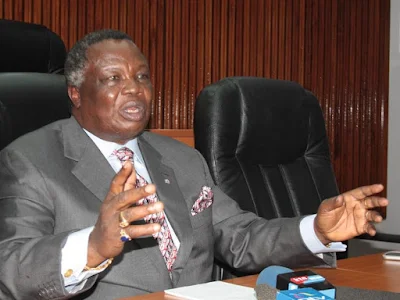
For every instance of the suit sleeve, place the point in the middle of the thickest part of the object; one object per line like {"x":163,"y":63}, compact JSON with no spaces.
{"x":30,"y":252}
{"x":249,"y":243}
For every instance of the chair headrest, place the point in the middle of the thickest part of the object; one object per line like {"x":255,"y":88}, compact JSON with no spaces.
{"x":29,"y":101}
{"x":27,"y":47}
{"x":253,"y":118}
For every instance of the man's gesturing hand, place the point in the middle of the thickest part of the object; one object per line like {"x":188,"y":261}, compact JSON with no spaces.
{"x":349,"y":214}
{"x":104,"y":241}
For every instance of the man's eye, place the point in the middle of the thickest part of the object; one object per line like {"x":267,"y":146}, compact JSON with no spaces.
{"x":143,"y":76}
{"x":114,"y":77}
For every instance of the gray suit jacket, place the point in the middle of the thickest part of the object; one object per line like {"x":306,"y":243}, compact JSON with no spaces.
{"x":52,"y":183}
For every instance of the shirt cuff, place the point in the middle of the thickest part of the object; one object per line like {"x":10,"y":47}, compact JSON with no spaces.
{"x":74,"y":259}
{"x":311,"y":240}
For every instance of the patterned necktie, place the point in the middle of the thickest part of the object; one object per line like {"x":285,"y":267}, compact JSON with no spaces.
{"x":164,"y":238}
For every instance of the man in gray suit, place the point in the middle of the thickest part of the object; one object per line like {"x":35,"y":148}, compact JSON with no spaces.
{"x":93,"y":207}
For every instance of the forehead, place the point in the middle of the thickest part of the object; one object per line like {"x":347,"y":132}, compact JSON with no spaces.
{"x":113,"y":51}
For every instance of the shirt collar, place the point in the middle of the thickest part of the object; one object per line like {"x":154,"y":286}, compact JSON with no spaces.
{"x":107,"y":148}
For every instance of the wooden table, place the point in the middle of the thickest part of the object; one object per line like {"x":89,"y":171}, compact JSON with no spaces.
{"x":365,"y":272}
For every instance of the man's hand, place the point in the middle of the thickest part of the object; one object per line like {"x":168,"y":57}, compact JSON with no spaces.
{"x":349,"y":214}
{"x":104,"y":241}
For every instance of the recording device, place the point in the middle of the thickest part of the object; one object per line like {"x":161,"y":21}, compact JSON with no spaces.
{"x":391,"y":255}
{"x":292,"y":285}
{"x":305,"y":279}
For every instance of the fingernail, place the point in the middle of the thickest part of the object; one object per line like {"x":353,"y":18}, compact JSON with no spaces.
{"x":148,"y":189}
{"x":152,"y":208}
{"x":125,"y":165}
{"x":156,"y":228}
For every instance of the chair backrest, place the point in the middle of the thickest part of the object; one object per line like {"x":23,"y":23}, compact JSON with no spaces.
{"x":27,"y":47}
{"x":29,"y":101}
{"x":266,"y":145}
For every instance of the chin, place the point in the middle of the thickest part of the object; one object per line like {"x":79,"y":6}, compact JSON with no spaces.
{"x":134,"y":132}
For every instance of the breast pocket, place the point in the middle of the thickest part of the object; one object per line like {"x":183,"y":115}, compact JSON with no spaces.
{"x":202,"y":218}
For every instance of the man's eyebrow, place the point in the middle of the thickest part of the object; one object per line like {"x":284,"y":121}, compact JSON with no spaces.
{"x":143,"y":65}
{"x":114,"y":67}
{"x":108,"y":67}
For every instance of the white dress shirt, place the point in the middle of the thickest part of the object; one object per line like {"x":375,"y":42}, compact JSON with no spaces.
{"x":74,"y":252}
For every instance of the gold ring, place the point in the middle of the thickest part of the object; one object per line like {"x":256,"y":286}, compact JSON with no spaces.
{"x":124,"y":236}
{"x":123,"y":223}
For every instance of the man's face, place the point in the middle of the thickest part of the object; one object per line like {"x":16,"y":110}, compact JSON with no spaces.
{"x":114,"y":100}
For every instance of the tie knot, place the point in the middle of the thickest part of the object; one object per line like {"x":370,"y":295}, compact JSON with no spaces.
{"x":123,"y":154}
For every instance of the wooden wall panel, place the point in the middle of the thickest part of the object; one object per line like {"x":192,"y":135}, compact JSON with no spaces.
{"x":339,"y":49}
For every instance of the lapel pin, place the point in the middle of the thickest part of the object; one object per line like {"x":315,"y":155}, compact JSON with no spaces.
{"x":167,"y":181}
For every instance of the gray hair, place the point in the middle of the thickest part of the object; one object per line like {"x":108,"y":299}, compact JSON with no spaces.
{"x":76,"y":61}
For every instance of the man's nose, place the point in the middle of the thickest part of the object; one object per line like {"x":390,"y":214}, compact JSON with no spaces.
{"x":132,"y":86}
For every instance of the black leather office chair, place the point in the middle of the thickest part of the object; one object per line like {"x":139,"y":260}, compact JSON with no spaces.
{"x":265,"y":143}
{"x":29,"y":101}
{"x":27,"y":47}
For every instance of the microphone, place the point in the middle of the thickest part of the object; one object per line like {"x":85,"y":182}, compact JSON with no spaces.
{"x":265,"y":292}
{"x":270,"y":275}
{"x":266,"y":282}
{"x":293,"y":285}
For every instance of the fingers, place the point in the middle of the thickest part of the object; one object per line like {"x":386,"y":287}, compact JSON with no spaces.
{"x":374,"y":201}
{"x":137,"y":231}
{"x":118,"y":211}
{"x":365,"y":194}
{"x":365,"y":191}
{"x":131,"y":181}
{"x":139,"y":212}
{"x":373,"y":216}
{"x":120,"y":179}
{"x":125,"y":199}
{"x":123,"y":191}
{"x":370,"y":229}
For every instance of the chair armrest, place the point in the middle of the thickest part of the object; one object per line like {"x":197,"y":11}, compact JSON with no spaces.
{"x":382,"y":237}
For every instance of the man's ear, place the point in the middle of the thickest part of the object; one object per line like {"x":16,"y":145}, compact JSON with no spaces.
{"x":75,"y":96}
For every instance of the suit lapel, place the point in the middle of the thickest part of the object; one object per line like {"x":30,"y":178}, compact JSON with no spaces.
{"x":175,"y":206}
{"x":91,"y":168}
